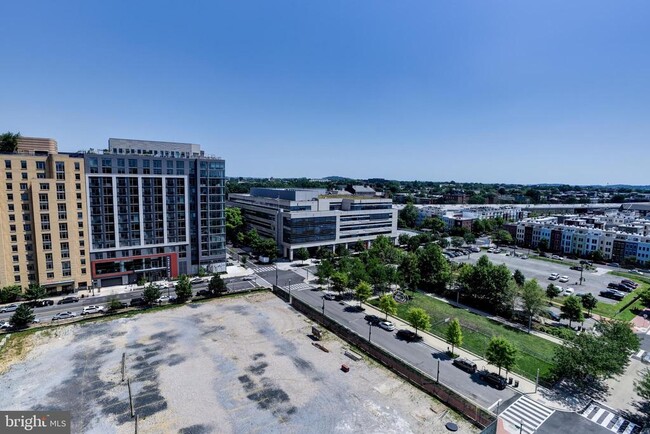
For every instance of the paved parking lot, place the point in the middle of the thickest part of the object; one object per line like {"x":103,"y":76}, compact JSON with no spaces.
{"x":595,"y":281}
{"x":236,"y":365}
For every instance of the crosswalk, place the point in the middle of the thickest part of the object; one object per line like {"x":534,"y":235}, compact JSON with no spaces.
{"x":526,"y":415}
{"x":263,"y":269}
{"x":299,"y":286}
{"x":607,"y":418}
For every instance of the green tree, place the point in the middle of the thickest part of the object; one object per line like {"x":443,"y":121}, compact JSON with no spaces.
{"x":363,"y":292}
{"x":10,"y":293}
{"x":183,"y":288}
{"x":301,"y":254}
{"x":597,"y":256}
{"x":403,"y":239}
{"x":324,"y":271}
{"x":470,"y":238}
{"x":339,"y":281}
{"x":22,"y":317}
{"x":419,"y":319}
{"x":9,"y":142}
{"x":436,"y":224}
{"x":409,"y":271}
{"x":587,"y":360}
{"x":114,"y":304}
{"x":532,"y":297}
{"x":501,"y":354}
{"x":359,"y":246}
{"x":572,"y":309}
{"x":645,"y":297}
{"x":454,"y":334}
{"x":387,"y":304}
{"x":234,"y":223}
{"x":502,"y":237}
{"x":519,"y":277}
{"x":267,"y":247}
{"x":488,"y":286}
{"x":342,"y":251}
{"x":589,"y":302}
{"x":217,"y":285}
{"x":435,"y":271}
{"x":543,"y":245}
{"x":35,"y":292}
{"x":151,"y":293}
{"x":552,"y":291}
{"x":408,"y":216}
{"x":202,"y":272}
{"x":457,"y":241}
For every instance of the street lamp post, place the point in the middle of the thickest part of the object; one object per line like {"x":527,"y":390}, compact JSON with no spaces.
{"x":369,"y":331}
{"x":289,"y":291}
{"x":276,"y":274}
{"x":581,"y":268}
{"x":323,"y":306}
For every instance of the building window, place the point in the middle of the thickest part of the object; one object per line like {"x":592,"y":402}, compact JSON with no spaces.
{"x":50,"y":275}
{"x":40,"y":165}
{"x":76,"y":165}
{"x":9,"y":175}
{"x":16,"y":268}
{"x":15,"y":258}
{"x":44,"y":186}
{"x":17,"y":278}
{"x":10,"y":196}
{"x":23,"y":175}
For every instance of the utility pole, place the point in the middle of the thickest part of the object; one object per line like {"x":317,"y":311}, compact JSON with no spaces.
{"x":324,"y":309}
{"x":536,"y":380}
{"x":276,"y":274}
{"x":438,"y":373}
{"x":369,"y":331}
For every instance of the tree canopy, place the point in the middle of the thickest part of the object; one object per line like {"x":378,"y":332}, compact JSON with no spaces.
{"x":387,"y":304}
{"x":183,"y":288}
{"x":9,"y":141}
{"x":501,"y":354}
{"x":419,"y":319}
{"x":532,"y":297}
{"x":22,"y":317}
{"x":572,"y":309}
{"x":454,"y":334}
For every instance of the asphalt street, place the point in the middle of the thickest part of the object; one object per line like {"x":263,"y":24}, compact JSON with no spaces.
{"x":418,"y":354}
{"x":45,"y":314}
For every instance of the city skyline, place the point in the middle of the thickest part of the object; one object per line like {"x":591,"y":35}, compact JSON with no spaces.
{"x":493,"y":92}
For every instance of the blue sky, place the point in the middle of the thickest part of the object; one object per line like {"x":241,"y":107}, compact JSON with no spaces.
{"x":487,"y":91}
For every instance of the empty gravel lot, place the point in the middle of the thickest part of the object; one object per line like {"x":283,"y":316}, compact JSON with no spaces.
{"x":237,"y":365}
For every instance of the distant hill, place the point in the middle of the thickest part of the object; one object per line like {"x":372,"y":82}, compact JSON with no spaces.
{"x":336,"y":178}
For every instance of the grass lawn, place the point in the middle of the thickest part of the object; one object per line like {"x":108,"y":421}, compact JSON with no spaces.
{"x":534,"y":352}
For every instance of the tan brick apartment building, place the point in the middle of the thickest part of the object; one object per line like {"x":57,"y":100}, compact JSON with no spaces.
{"x":43,"y":217}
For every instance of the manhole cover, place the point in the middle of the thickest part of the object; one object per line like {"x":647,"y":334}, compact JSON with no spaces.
{"x":451,"y":426}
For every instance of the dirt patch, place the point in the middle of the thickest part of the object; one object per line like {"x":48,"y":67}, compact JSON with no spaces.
{"x":233,"y":365}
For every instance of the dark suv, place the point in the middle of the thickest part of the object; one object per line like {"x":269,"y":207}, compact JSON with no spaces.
{"x":493,"y":379}
{"x":68,"y":300}
{"x":138,"y":301}
{"x":408,"y":336}
{"x":465,"y":365}
{"x":372,"y":319}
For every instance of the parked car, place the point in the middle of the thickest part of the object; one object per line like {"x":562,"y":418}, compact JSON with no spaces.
{"x":524,"y":257}
{"x":203,"y":293}
{"x":613,"y":294}
{"x":615,"y":264}
{"x":387,"y":325}
{"x":557,"y":257}
{"x":554,"y":276}
{"x":465,"y":364}
{"x":138,"y":301}
{"x":93,"y":309}
{"x":63,"y":315}
{"x":9,"y":308}
{"x":625,"y":288}
{"x":408,"y":335}
{"x":329,"y":296}
{"x":372,"y":319}
{"x":613,"y":285}
{"x":576,"y":268}
{"x":67,"y":300}
{"x":568,"y":291}
{"x":249,"y":278}
{"x":493,"y":379}
{"x":585,"y":262}
{"x":196,"y":280}
{"x":5,"y":325}
{"x":553,"y":315}
{"x":162,"y":299}
{"x":639,"y":272}
{"x":564,"y":279}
